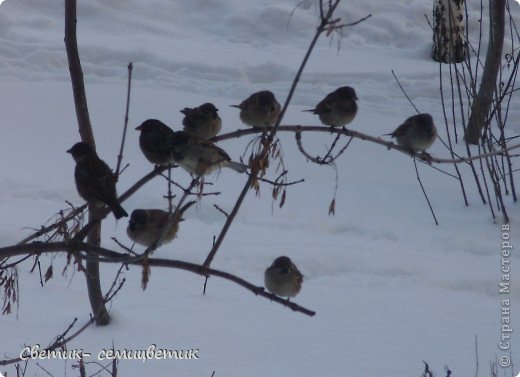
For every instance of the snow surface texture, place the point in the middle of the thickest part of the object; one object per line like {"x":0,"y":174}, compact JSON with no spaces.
{"x":390,"y":288}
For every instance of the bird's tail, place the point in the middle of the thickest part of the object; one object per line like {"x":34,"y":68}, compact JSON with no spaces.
{"x":117,"y":210}
{"x":237,"y":166}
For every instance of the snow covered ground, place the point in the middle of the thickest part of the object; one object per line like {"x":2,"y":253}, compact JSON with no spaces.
{"x":390,"y":288}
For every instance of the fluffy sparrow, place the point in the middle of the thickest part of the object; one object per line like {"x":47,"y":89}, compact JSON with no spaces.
{"x":94,"y":180}
{"x":417,"y":133}
{"x":338,"y":108}
{"x":200,"y":156}
{"x":260,"y":109}
{"x":283,"y":278}
{"x":154,"y":141}
{"x":202,"y":121}
{"x":147,"y":225}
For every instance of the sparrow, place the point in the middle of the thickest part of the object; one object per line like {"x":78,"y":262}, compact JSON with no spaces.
{"x":283,"y":278}
{"x":417,"y":133}
{"x":147,"y":226}
{"x":338,"y":108}
{"x":200,"y":156}
{"x":154,"y":142}
{"x":95,"y":181}
{"x":260,"y":109}
{"x":202,"y":121}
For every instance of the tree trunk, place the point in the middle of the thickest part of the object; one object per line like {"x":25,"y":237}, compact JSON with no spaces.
{"x":95,"y":294}
{"x":85,"y":130}
{"x":448,"y":31}
{"x":482,"y":102}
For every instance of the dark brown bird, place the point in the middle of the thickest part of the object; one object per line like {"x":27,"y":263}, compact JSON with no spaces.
{"x":199,"y":156}
{"x":147,"y":226}
{"x":203,"y":121}
{"x":154,"y":142}
{"x":338,"y":108}
{"x":260,"y":109}
{"x":417,"y":133}
{"x":283,"y":278}
{"x":94,"y":180}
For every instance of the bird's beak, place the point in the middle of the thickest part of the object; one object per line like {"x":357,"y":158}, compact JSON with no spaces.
{"x":237,"y":106}
{"x":138,"y":128}
{"x":69,"y":150}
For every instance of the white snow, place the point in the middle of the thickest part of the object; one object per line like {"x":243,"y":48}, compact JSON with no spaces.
{"x":390,"y":288}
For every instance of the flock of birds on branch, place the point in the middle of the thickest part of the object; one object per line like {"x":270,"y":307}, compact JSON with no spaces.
{"x":193,"y":150}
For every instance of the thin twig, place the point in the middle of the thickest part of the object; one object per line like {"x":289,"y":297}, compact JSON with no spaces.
{"x":123,"y":139}
{"x":221,"y":210}
{"x":404,"y":92}
{"x":424,"y":192}
{"x":450,"y":145}
{"x":341,"y":26}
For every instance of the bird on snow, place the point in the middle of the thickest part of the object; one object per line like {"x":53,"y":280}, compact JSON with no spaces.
{"x":95,"y":181}
{"x":417,"y":133}
{"x":260,"y":109}
{"x":203,"y":121}
{"x":147,"y":226}
{"x":154,"y":141}
{"x":199,"y":156}
{"x":283,"y":278}
{"x":338,"y":108}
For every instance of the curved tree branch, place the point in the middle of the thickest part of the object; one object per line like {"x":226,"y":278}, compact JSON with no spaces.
{"x":358,"y":135}
{"x":96,"y":253}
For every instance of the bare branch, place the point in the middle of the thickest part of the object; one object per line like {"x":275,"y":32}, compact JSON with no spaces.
{"x":341,"y":26}
{"x":44,"y":230}
{"x":87,"y":251}
{"x":404,"y":92}
{"x":388,"y":144}
{"x":125,"y":126}
{"x":424,"y":191}
{"x":221,"y":210}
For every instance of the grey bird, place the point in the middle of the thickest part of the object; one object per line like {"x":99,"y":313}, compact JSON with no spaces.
{"x":95,"y":181}
{"x":338,"y":108}
{"x":200,"y":156}
{"x":147,"y":226}
{"x":417,"y":133}
{"x":283,"y":278}
{"x":203,"y":121}
{"x":260,"y":109}
{"x":154,"y":142}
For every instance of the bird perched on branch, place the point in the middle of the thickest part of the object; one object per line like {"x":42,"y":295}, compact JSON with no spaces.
{"x":338,"y":108}
{"x":154,"y":141}
{"x":200,"y":156}
{"x":260,"y":109}
{"x":417,"y":133}
{"x":283,"y":278}
{"x":147,"y":226}
{"x":94,"y":180}
{"x":202,"y":121}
